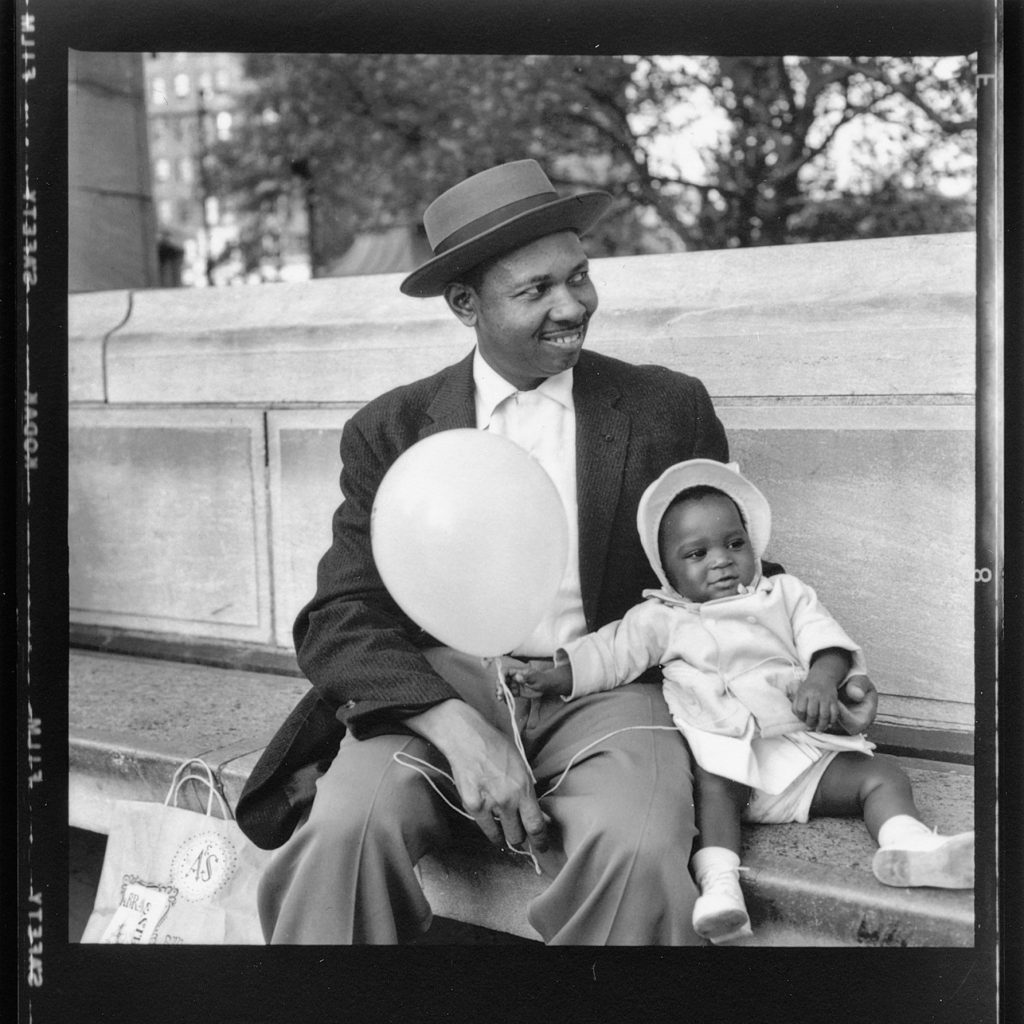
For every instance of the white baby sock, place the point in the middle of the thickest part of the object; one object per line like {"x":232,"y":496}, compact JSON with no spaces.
{"x":901,"y":828}
{"x":711,"y":857}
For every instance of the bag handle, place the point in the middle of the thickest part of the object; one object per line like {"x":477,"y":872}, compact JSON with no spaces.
{"x":184,"y":773}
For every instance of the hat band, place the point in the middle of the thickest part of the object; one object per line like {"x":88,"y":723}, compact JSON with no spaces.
{"x":492,"y":220}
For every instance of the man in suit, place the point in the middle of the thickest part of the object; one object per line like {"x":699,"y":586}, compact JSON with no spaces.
{"x":615,"y":835}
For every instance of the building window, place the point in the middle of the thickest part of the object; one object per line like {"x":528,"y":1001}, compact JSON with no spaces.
{"x":165,"y":211}
{"x":223,"y":80}
{"x":185,"y":172}
{"x":182,"y":85}
{"x":206,"y":83}
{"x":162,"y":169}
{"x":158,"y":91}
{"x":223,"y":125}
{"x":184,"y":211}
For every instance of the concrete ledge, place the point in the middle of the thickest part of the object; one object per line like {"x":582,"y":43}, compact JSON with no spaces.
{"x":858,"y":313}
{"x":91,"y":318}
{"x":811,"y":883}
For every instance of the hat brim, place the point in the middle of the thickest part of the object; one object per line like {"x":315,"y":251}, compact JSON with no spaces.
{"x":722,"y":476}
{"x":569,"y":213}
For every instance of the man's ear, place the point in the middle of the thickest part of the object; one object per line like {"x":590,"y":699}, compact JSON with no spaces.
{"x":461,"y":301}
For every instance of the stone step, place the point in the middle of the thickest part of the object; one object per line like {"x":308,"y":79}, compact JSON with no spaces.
{"x":133,"y":720}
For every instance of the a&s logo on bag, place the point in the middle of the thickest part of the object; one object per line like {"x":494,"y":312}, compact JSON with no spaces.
{"x":203,"y":865}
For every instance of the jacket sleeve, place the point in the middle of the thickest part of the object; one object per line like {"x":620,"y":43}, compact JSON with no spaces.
{"x":618,"y":652}
{"x":814,"y":628}
{"x":354,"y":644}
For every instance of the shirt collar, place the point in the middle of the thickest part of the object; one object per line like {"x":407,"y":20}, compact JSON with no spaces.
{"x":492,"y":389}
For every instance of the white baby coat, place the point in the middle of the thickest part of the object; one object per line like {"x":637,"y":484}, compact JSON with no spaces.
{"x":730,"y":667}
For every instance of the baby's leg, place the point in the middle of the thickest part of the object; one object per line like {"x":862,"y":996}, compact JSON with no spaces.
{"x":720,"y":914}
{"x":909,"y":852}
{"x":857,"y":784}
{"x":719,"y":805}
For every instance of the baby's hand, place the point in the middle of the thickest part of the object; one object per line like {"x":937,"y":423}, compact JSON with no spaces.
{"x":541,"y":682}
{"x":816,"y":703}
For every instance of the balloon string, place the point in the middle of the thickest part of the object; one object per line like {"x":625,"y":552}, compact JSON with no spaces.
{"x":509,"y":702}
{"x":579,"y":753}
{"x":407,"y":761}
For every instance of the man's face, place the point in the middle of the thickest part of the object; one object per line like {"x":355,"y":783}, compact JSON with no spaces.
{"x":532,"y":309}
{"x":705,"y":551}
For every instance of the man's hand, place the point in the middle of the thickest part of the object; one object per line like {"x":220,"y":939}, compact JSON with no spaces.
{"x":552,"y":681}
{"x":859,"y":705}
{"x":493,"y":782}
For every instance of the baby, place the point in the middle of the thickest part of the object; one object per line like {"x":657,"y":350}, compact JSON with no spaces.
{"x":751,"y":668}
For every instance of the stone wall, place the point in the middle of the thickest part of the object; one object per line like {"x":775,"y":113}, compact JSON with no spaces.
{"x":204,"y":430}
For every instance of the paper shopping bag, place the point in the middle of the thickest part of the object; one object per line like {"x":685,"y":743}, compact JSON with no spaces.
{"x":172,"y":875}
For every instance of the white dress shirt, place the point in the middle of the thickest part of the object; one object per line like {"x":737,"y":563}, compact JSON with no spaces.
{"x":543,"y":422}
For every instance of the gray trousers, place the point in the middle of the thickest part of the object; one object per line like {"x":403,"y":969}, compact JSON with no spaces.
{"x":623,"y":825}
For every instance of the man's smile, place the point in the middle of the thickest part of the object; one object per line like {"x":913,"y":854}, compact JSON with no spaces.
{"x":569,"y":339}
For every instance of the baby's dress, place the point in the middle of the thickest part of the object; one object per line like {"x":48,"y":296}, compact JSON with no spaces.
{"x":767,"y":759}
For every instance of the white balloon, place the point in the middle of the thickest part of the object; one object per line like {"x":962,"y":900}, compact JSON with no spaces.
{"x":470,"y":538}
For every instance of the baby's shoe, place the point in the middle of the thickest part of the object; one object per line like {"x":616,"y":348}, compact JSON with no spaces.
{"x":945,"y":862}
{"x":720,"y":913}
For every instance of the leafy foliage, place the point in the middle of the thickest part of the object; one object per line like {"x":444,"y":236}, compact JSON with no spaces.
{"x":377,"y":136}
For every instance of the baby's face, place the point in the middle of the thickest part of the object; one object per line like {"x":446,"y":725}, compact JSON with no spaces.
{"x":705,"y":550}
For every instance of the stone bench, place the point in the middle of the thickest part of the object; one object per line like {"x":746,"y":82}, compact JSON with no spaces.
{"x":133,"y":720}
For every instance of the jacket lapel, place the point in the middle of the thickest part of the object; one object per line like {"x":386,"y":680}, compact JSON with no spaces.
{"x":453,"y":406}
{"x":602,"y":439}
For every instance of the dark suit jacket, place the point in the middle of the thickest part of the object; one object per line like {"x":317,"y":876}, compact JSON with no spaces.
{"x":362,"y":653}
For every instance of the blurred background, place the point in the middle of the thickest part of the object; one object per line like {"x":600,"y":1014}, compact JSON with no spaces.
{"x":221,"y":169}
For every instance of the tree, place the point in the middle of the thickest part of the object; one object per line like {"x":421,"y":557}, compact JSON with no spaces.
{"x":377,"y":136}
{"x":784,"y":121}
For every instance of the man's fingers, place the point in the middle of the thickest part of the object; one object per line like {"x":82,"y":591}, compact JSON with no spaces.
{"x":490,"y":827}
{"x":514,"y":826}
{"x":847,"y":721}
{"x":536,"y":827}
{"x":511,"y":827}
{"x":857,"y":689}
